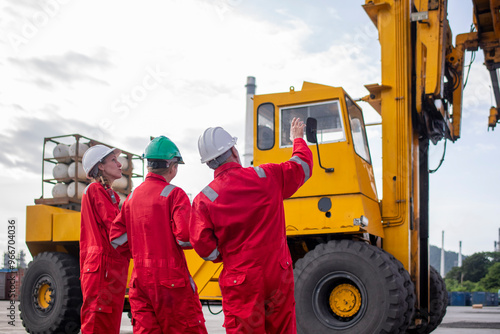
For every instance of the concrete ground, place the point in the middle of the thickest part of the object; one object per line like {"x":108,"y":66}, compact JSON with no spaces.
{"x":466,"y":320}
{"x":10,"y":323}
{"x":458,"y":320}
{"x":212,"y":322}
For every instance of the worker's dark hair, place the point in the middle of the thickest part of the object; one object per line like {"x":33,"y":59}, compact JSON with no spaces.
{"x":220,"y":160}
{"x":160,"y":167}
{"x":94,"y":173}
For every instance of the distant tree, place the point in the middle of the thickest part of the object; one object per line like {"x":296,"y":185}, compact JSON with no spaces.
{"x":476,"y":267}
{"x":479,"y":272}
{"x":5,"y":260}
{"x":455,"y":273}
{"x":493,"y":257}
{"x":21,"y":259}
{"x":469,"y":286}
{"x":491,"y":282}
{"x":451,"y":284}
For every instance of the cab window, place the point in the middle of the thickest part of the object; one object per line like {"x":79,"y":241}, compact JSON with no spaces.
{"x":330,"y":126}
{"x":358,"y":130}
{"x":265,"y":126}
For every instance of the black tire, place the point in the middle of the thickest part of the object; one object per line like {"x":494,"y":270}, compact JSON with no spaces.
{"x":351,"y":287}
{"x":51,"y":296}
{"x":438,"y":304}
{"x":439,"y":300}
{"x":410,"y":290}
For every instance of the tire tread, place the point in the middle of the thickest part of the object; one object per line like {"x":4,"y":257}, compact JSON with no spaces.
{"x":67,"y":319}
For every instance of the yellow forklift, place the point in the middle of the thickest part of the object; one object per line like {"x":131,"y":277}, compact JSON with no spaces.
{"x":361,"y":264}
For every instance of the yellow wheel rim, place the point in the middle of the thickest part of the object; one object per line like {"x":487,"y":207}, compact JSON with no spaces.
{"x":345,"y":300}
{"x":44,"y":296}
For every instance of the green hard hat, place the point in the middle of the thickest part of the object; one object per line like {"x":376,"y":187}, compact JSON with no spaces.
{"x":162,"y":148}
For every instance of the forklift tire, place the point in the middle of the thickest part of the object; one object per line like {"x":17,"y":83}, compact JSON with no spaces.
{"x":439,"y":300}
{"x":350,"y":287}
{"x":51,"y":296}
{"x":410,"y":289}
{"x":438,"y":304}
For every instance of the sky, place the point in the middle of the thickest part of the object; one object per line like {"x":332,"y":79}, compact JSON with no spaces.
{"x":122,"y":71}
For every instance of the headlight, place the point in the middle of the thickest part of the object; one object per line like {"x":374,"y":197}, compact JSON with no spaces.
{"x":362,"y":221}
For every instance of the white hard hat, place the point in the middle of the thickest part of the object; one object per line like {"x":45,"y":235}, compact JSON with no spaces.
{"x":214,"y":142}
{"x":94,"y":155}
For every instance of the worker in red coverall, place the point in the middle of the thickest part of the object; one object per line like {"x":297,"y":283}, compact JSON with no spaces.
{"x":239,"y":219}
{"x":103,"y":271}
{"x":154,"y":227}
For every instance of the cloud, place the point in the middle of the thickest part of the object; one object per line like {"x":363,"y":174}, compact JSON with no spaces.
{"x":15,"y":7}
{"x":68,"y":68}
{"x":23,"y":3}
{"x":134,"y":144}
{"x":22,"y":146}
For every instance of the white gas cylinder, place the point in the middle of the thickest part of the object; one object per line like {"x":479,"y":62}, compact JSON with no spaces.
{"x":60,"y":190}
{"x":72,"y":189}
{"x":81,"y":171}
{"x":121,"y":183}
{"x":124,"y":161}
{"x":123,"y":197}
{"x":61,"y":153}
{"x":81,"y":150}
{"x":60,"y":171}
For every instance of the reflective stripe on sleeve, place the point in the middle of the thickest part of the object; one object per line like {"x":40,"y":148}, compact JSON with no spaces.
{"x":166,"y":191}
{"x":184,"y":243}
{"x":210,"y":193}
{"x":305,"y":166}
{"x":87,"y":187}
{"x":119,"y":241}
{"x":212,"y":256}
{"x":260,"y":172}
{"x":193,"y":286}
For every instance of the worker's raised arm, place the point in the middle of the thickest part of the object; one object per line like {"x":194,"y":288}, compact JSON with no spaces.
{"x":298,"y":169}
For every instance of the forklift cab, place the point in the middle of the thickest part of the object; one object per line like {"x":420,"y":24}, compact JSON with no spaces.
{"x":341,"y":197}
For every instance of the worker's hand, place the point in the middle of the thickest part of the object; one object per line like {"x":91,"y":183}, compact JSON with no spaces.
{"x":297,"y":129}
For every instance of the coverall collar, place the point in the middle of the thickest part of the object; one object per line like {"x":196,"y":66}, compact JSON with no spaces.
{"x":226,"y":166}
{"x":151,"y":175}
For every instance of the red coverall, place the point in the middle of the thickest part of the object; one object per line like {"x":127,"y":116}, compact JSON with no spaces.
{"x":103,"y":271}
{"x":153,"y":226}
{"x":239,"y":219}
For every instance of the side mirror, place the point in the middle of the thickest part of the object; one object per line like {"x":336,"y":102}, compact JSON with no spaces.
{"x":311,"y":128}
{"x":311,"y":134}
